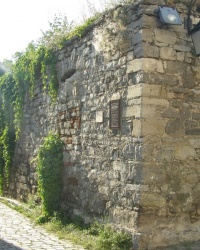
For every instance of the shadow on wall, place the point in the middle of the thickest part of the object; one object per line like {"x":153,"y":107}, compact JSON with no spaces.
{"x":7,"y":245}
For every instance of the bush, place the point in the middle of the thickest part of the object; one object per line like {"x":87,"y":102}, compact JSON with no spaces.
{"x":49,"y":170}
{"x":112,"y":240}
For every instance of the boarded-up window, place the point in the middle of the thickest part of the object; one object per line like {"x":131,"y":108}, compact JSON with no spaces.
{"x":115,"y":114}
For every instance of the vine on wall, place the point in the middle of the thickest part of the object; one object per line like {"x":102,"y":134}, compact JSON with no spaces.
{"x":38,"y":61}
{"x":14,"y":86}
{"x":49,"y":170}
{"x":7,"y":140}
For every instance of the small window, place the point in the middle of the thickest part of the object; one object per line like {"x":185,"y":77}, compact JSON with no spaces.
{"x":115,"y":114}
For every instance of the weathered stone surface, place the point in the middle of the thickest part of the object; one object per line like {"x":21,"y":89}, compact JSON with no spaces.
{"x":152,"y":126}
{"x":151,"y":51}
{"x":175,"y":67}
{"x":147,"y":35}
{"x":157,"y":78}
{"x":165,"y":36}
{"x":148,"y":111}
{"x":195,"y":143}
{"x":132,"y":111}
{"x":196,"y":116}
{"x":182,"y":152}
{"x":170,"y":113}
{"x":194,"y":131}
{"x":155,"y":101}
{"x":137,"y":129}
{"x":174,"y":127}
{"x":182,"y":48}
{"x":134,"y":91}
{"x":136,"y":38}
{"x":167,"y":53}
{"x":153,"y":90}
{"x":145,"y":64}
{"x":150,"y":21}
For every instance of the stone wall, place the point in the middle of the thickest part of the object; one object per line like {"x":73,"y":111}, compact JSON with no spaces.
{"x":170,"y":128}
{"x":145,"y":175}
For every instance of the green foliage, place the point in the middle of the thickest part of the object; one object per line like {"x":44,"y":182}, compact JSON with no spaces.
{"x":55,"y":37}
{"x":50,"y":159}
{"x":14,"y":86}
{"x":7,"y":135}
{"x":93,"y":236}
{"x":61,"y":30}
{"x":43,"y":218}
{"x":80,"y":30}
{"x":1,"y":169}
{"x":112,"y":240}
{"x":7,"y":142}
{"x":7,"y":101}
{"x":38,"y":61}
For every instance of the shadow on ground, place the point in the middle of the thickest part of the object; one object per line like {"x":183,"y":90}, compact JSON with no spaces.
{"x":4,"y":245}
{"x":186,"y":246}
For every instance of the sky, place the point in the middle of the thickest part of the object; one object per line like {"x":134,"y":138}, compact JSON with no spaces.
{"x":21,"y":21}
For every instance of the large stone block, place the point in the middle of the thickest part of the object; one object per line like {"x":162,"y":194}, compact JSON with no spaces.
{"x":153,"y":90}
{"x":167,"y":53}
{"x":137,"y":38}
{"x":196,"y":116}
{"x":158,"y":78}
{"x":153,"y":126}
{"x":124,"y":217}
{"x":182,"y":48}
{"x":170,"y":113}
{"x":156,"y":2}
{"x":155,"y":101}
{"x":183,"y":151}
{"x":132,"y":111}
{"x":175,"y":67}
{"x":165,"y":36}
{"x":150,"y":64}
{"x":147,"y":35}
{"x":150,"y":199}
{"x":150,"y":51}
{"x":134,"y":91}
{"x":192,"y":131}
{"x":149,"y":111}
{"x":137,"y":128}
{"x":150,"y":21}
{"x":174,"y":127}
{"x":165,"y":154}
{"x":195,"y":143}
{"x":145,"y":64}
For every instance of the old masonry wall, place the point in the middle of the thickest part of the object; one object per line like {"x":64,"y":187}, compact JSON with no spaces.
{"x":143,"y":176}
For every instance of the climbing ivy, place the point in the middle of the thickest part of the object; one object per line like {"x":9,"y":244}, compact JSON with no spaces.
{"x":7,"y":140}
{"x":7,"y":134}
{"x":49,"y":170}
{"x":37,"y":62}
{"x":1,"y":169}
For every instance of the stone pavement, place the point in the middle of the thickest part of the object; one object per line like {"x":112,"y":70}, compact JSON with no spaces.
{"x":19,"y":233}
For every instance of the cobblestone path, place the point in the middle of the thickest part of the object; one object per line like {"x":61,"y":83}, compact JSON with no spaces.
{"x":19,"y":233}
